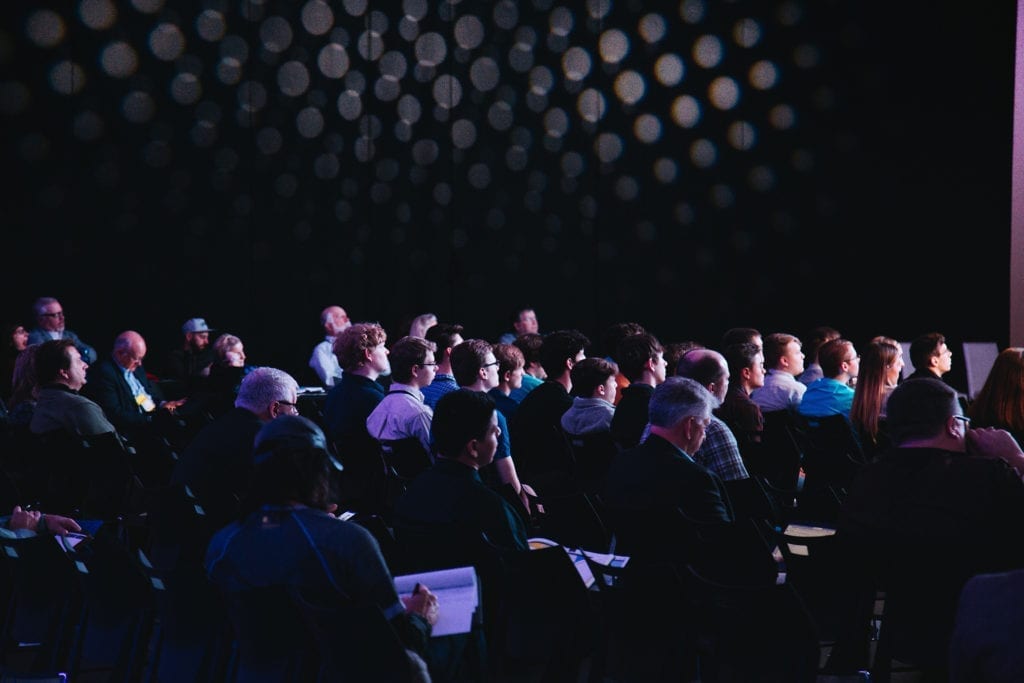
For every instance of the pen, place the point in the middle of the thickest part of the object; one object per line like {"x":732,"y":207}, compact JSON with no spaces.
{"x":416,"y":589}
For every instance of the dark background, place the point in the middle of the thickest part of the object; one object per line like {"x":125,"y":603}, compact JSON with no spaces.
{"x":155,"y":189}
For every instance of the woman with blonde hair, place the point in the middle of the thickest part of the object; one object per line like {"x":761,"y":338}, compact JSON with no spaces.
{"x":1000,"y":403}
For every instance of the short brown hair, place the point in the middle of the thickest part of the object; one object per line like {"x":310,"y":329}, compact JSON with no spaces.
{"x":351,"y":345}
{"x":407,"y":353}
{"x":509,"y":358}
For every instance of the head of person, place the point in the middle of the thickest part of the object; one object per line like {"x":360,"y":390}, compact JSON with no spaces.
{"x":446,"y":336}
{"x":926,"y":410}
{"x":474,"y":364}
{"x":930,"y":352}
{"x":229,"y":350}
{"x":891,"y":359}
{"x":412,"y":361}
{"x":421,"y":323}
{"x":642,"y":355}
{"x":24,"y":381}
{"x":680,"y":411}
{"x":746,"y":365}
{"x":530,"y":345}
{"x":57,"y":361}
{"x":783,"y":353}
{"x":880,"y":364}
{"x":1000,"y":403}
{"x":17,"y":337}
{"x":465,"y":427}
{"x":360,"y":348}
{"x":613,"y":335}
{"x":816,"y":338}
{"x":334,"y":320}
{"x":706,"y":367}
{"x":268,"y":393}
{"x":524,"y":321}
{"x":839,"y":360}
{"x":49,"y":314}
{"x":595,"y":378}
{"x":292,"y":463}
{"x":197,"y":334}
{"x":510,"y":364}
{"x":676,"y":350}
{"x":561,"y":350}
{"x":742,"y":335}
{"x":129,"y":350}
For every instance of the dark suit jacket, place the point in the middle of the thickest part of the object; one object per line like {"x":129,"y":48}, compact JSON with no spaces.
{"x":631,"y":414}
{"x":657,"y":476}
{"x":107,"y":386}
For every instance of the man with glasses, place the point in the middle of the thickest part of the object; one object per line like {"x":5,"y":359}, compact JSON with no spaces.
{"x":217,"y":463}
{"x":832,"y":394}
{"x":941,"y":505}
{"x":50,"y":325}
{"x":402,"y":414}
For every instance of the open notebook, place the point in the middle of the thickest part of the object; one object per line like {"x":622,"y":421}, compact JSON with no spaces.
{"x":578,"y":559}
{"x":458,"y":595}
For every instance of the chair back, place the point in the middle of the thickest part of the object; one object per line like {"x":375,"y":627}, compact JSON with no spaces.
{"x":979,"y":357}
{"x":591,"y":456}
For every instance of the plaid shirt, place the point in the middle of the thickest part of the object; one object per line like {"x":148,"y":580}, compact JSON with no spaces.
{"x":720,"y":452}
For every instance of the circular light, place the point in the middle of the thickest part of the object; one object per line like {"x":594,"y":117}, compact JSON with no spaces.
{"x":317,"y":17}
{"x":119,"y":60}
{"x":447,"y":91}
{"x":252,"y":96}
{"x":370,"y":45}
{"x":484,"y":74}
{"x":479,"y":176}
{"x":138,"y":107}
{"x":692,"y":11}
{"x":469,"y":32}
{"x":598,"y":9}
{"x":229,"y":71}
{"x":309,"y":122}
{"x":669,"y":70}
{"x":350,"y":106}
{"x":782,"y":116}
{"x":67,"y":78}
{"x":560,"y":22}
{"x":665,"y":170}
{"x":499,"y":115}
{"x":724,"y":93}
{"x":355,"y":8}
{"x":686,"y":111}
{"x":703,"y":153}
{"x":409,"y":109}
{"x":430,"y":49}
{"x":647,"y":128}
{"x":393,"y":65}
{"x":97,"y":14}
{"x":424,"y":152}
{"x":186,"y":89}
{"x":576,"y":63}
{"x":591,"y":105}
{"x":386,"y":89}
{"x":293,"y":79}
{"x":556,"y":123}
{"x":333,"y":60}
{"x":746,"y":33}
{"x":763,"y":75}
{"x":707,"y":51}
{"x":210,"y":25}
{"x":741,"y":135}
{"x":627,"y":189}
{"x":415,"y":9}
{"x":506,"y":15}
{"x":45,"y":28}
{"x":572,"y":164}
{"x":652,"y":27}
{"x":629,"y":87}
{"x":613,"y":46}
{"x":275,"y":34}
{"x":608,"y":147}
{"x":166,"y":42}
{"x":463,"y":134}
{"x":541,"y":80}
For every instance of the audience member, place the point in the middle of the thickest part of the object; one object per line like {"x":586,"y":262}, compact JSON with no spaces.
{"x":785,"y":362}
{"x":1000,"y":403}
{"x":930,"y":356}
{"x":510,"y":377}
{"x":832,"y":394}
{"x":17,"y":339}
{"x":935,"y":509}
{"x":60,"y":371}
{"x":363,"y":357}
{"x":334,"y":321}
{"x":226,"y":375}
{"x":190,"y":363}
{"x":524,"y":321}
{"x":815,"y":340}
{"x":402,"y":414}
{"x":120,"y":386}
{"x":217,"y":463}
{"x":661,"y":473}
{"x":642,"y":360}
{"x":533,"y":371}
{"x":746,"y":374}
{"x":25,"y":389}
{"x":50,"y":325}
{"x":446,"y":336}
{"x":286,"y":534}
{"x":421,"y":323}
{"x":742,"y":335}
{"x":26,"y":523}
{"x":720,"y":451}
{"x":594,"y":385}
{"x":611,"y":337}
{"x":878,"y":375}
{"x":476,"y":368}
{"x":676,"y":350}
{"x":450,"y":495}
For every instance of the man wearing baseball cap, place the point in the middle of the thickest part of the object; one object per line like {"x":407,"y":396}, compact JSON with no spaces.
{"x":191,"y":362}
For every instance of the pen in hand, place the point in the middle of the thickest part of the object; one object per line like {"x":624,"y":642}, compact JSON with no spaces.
{"x":416,"y":589}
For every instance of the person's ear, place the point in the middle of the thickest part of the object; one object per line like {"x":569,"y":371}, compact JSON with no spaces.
{"x":506,"y":376}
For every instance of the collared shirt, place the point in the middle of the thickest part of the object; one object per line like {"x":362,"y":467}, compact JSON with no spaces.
{"x":827,"y":396}
{"x":142,"y":397}
{"x":325,"y":363}
{"x":442,"y":384}
{"x":720,"y":453}
{"x":781,"y":391}
{"x":402,"y":414}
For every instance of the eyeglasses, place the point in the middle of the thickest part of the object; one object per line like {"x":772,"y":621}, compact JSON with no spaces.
{"x":963,"y":418}
{"x":423,"y":365}
{"x":850,"y":360}
{"x":487,"y":365}
{"x":293,"y":406}
{"x":58,"y":314}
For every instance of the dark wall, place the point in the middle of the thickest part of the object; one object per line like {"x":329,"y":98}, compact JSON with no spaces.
{"x":811,"y":162}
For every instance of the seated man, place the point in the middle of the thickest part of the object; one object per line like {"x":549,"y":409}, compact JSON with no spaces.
{"x":190,"y":363}
{"x":451,"y":494}
{"x":524,"y":321}
{"x":594,"y":384}
{"x":746,"y":374}
{"x":511,"y":368}
{"x":533,"y":371}
{"x":286,"y":534}
{"x":832,"y":394}
{"x":642,"y":360}
{"x":402,"y":414}
{"x":334,"y":320}
{"x":61,"y":374}
{"x":120,"y":386}
{"x":785,"y":362}
{"x":942,"y":505}
{"x":363,"y":357}
{"x":930,"y":356}
{"x":50,"y":325}
{"x":445,"y":336}
{"x":661,"y":473}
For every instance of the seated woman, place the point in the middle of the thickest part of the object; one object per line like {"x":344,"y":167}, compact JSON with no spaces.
{"x":1000,"y":403}
{"x":218,"y":392}
{"x":880,"y":366}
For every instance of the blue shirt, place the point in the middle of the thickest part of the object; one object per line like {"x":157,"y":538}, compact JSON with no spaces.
{"x":826,"y":396}
{"x":442,"y":384}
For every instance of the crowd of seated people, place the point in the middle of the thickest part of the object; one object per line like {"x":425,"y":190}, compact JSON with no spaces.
{"x":495,"y":422}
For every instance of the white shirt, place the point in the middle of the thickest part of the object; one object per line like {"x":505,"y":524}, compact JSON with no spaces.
{"x":781,"y":391}
{"x":325,"y":363}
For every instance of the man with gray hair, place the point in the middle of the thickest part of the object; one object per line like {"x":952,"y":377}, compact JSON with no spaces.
{"x":661,"y":473}
{"x":217,"y":463}
{"x":50,"y":325}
